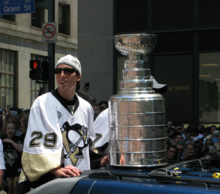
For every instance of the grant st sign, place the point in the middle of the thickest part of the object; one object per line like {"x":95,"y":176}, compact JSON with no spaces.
{"x":10,"y":7}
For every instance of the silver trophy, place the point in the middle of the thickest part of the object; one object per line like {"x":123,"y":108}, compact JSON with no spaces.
{"x":137,"y":113}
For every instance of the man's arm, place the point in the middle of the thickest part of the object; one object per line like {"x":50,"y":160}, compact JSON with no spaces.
{"x":2,"y":163}
{"x":1,"y":177}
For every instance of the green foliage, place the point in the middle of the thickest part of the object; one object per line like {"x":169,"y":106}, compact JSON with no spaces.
{"x":208,"y":93}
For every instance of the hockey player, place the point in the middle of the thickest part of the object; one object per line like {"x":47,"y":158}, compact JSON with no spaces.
{"x":60,"y":129}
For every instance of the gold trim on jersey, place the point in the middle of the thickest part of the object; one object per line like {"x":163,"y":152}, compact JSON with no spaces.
{"x":22,"y":177}
{"x":36,"y":165}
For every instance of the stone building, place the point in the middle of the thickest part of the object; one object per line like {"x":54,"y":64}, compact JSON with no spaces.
{"x":21,"y":41}
{"x":186,"y":56}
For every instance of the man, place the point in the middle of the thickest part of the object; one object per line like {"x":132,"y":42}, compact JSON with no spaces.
{"x":92,"y":100}
{"x":101,"y":126}
{"x":180,"y":150}
{"x":191,"y":137}
{"x":96,"y":109}
{"x":2,"y":163}
{"x":213,"y":128}
{"x":177,"y":137}
{"x":60,"y":129}
{"x":202,"y":135}
{"x":181,"y":130}
{"x":215,"y":136}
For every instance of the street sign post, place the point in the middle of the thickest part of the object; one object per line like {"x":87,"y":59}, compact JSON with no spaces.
{"x":11,"y":7}
{"x":49,"y":33}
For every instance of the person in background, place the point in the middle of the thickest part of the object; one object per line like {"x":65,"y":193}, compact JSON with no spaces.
{"x":217,"y":145}
{"x":212,"y":150}
{"x":12,"y":153}
{"x":181,"y":130}
{"x":209,"y":142}
{"x":199,"y":147}
{"x":96,"y":109}
{"x":1,"y":120}
{"x":212,"y":129}
{"x":202,"y":135}
{"x":170,"y":132}
{"x":92,"y":100}
{"x":13,"y":115}
{"x":189,"y":151}
{"x":172,"y":153}
{"x":180,"y":149}
{"x":23,"y":128}
{"x":103,"y":105}
{"x":24,"y":114}
{"x":215,"y":135}
{"x":169,"y":123}
{"x":101,"y":125}
{"x":177,"y":137}
{"x":2,"y":163}
{"x":191,"y":137}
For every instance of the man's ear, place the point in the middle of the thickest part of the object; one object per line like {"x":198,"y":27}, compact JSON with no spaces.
{"x":79,"y":77}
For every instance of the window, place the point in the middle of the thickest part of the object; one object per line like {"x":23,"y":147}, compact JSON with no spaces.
{"x":64,"y":19}
{"x":8,"y":17}
{"x":209,"y":87}
{"x":37,"y":18}
{"x":7,"y":78}
{"x":35,"y":87}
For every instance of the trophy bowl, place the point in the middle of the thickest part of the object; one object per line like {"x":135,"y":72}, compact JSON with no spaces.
{"x":135,"y":44}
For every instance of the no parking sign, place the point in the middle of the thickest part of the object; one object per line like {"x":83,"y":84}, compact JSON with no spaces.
{"x":49,"y":32}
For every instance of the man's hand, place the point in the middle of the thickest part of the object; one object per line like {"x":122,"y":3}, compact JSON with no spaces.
{"x":104,"y":161}
{"x":68,"y":171}
{"x":7,"y":140}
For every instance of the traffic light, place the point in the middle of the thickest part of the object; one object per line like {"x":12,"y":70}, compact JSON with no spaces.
{"x":39,"y":70}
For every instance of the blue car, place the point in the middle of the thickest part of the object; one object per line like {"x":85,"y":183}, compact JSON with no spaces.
{"x":188,"y":177}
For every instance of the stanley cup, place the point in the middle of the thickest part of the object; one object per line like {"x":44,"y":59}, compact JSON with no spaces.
{"x":137,"y":113}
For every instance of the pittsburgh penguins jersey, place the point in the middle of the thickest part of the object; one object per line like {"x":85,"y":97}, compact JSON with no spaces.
{"x":12,"y":158}
{"x":2,"y":161}
{"x":101,"y":126}
{"x":57,"y":132}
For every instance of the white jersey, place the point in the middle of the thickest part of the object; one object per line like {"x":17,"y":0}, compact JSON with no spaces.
{"x":2,"y":161}
{"x":52,"y":130}
{"x":102,"y":131}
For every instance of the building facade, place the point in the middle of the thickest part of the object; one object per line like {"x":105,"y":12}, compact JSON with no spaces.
{"x":21,"y":41}
{"x":186,"y":57}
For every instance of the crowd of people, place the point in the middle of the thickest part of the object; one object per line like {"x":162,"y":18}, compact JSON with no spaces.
{"x":192,"y":142}
{"x":13,"y":127}
{"x":58,"y":136}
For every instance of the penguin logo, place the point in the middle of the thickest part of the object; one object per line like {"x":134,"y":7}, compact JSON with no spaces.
{"x":74,"y":140}
{"x":59,"y":114}
{"x":10,"y":156}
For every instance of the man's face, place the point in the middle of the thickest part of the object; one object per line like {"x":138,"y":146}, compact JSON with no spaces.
{"x":178,"y":138}
{"x":91,"y":100}
{"x":191,"y":138}
{"x":169,"y":123}
{"x":171,"y":153}
{"x":179,"y":129}
{"x":212,"y":130}
{"x":170,"y":133}
{"x":66,"y":82}
{"x":208,"y":143}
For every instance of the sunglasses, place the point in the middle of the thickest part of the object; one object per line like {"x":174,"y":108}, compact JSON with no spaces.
{"x":66,"y":71}
{"x":92,"y":100}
